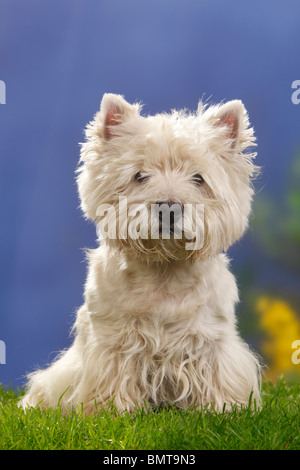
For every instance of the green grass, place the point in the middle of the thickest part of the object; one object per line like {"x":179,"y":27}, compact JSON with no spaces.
{"x":275,"y":426}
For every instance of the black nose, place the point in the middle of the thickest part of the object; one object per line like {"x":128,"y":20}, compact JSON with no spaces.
{"x":169,"y":203}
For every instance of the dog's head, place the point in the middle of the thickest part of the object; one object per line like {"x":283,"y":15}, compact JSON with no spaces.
{"x":169,"y":186}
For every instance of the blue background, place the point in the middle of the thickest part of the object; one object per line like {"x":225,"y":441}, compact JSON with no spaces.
{"x":57,"y":58}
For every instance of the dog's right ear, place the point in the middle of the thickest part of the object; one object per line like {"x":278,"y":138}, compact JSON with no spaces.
{"x":115,"y":110}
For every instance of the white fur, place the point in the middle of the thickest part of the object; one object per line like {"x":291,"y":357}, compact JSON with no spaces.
{"x":158,"y":323}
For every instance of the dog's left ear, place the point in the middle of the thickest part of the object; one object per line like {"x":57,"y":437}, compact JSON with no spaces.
{"x":233,"y":116}
{"x":115,"y":110}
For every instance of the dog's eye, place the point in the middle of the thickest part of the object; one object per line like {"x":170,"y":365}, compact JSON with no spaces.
{"x":198,"y":179}
{"x":140,"y":178}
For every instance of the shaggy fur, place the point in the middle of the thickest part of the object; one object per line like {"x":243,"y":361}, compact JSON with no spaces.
{"x":158,"y":322}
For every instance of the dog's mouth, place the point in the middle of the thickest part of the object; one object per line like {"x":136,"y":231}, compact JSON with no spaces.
{"x":167,"y":223}
{"x":162,"y":232}
{"x":167,"y":246}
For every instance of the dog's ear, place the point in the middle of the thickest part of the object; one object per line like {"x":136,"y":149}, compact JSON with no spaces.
{"x":115,"y":110}
{"x":233,"y":117}
{"x":233,"y":120}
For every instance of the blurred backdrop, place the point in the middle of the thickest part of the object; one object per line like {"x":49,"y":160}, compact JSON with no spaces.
{"x":57,"y":58}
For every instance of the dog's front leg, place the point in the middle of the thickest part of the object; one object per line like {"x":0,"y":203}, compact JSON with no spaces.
{"x":237,"y":374}
{"x":54,"y":386}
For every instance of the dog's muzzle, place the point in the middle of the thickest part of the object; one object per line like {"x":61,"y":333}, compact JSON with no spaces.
{"x":169,"y":213}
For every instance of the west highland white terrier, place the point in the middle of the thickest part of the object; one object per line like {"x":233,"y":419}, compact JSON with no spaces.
{"x":158,"y":323}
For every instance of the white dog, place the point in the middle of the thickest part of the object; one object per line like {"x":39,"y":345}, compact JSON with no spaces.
{"x":158,"y":324}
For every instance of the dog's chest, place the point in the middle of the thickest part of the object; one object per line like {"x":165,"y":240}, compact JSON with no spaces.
{"x":161,"y":295}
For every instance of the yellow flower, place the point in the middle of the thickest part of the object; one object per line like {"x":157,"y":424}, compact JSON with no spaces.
{"x":282,"y":327}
